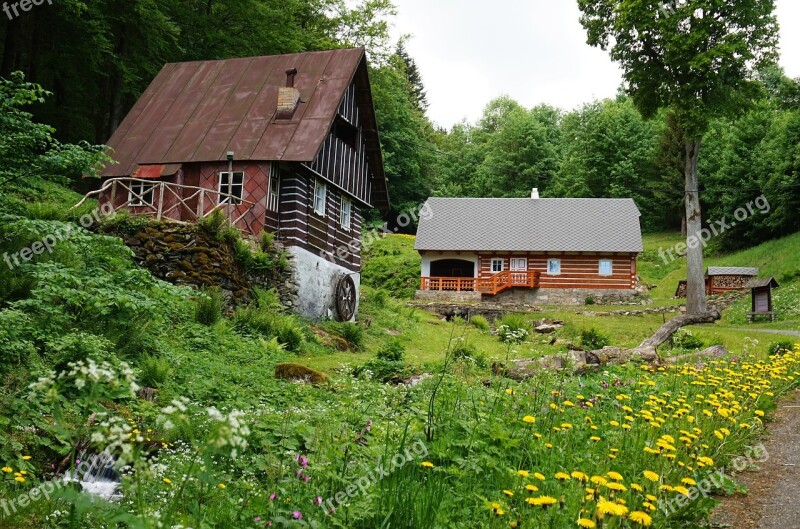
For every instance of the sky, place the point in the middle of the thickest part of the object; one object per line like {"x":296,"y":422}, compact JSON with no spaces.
{"x":471,"y":51}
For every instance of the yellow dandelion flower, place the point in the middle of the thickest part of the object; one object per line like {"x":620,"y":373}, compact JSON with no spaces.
{"x":539,"y":476}
{"x":531,"y":488}
{"x":652,"y":476}
{"x":542,"y":501}
{"x":637,"y":487}
{"x":8,"y":470}
{"x":222,"y":486}
{"x":508,"y":493}
{"x":523,"y":473}
{"x":586,"y":523}
{"x":167,"y":481}
{"x":26,"y":458}
{"x":641,"y":518}
{"x":617,"y":486}
{"x":598,"y":480}
{"x":562,"y":475}
{"x":616,"y":476}
{"x":426,"y":464}
{"x":530,"y":419}
{"x":689,"y":481}
{"x":20,"y":479}
{"x":580,"y":476}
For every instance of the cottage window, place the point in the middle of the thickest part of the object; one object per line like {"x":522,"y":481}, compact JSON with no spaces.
{"x":606,"y":267}
{"x":346,"y":213}
{"x":140,"y":194}
{"x":320,"y":196}
{"x":554,"y":266}
{"x":231,"y":187}
{"x":497,"y":266}
{"x":274,"y":189}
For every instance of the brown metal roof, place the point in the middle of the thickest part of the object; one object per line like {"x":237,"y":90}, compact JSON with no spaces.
{"x":198,"y":111}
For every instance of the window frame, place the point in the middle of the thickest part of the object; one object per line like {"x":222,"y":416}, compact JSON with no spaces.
{"x":139,"y":188}
{"x":502,"y":265}
{"x":320,"y":185}
{"x":517,"y":261}
{"x":558,"y":266}
{"x":274,"y":191}
{"x":346,"y":226}
{"x":231,"y":188}
{"x":610,"y":267}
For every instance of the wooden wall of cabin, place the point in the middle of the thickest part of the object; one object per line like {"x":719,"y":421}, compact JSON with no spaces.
{"x":577,"y":271}
{"x":321,"y":235}
{"x":343,"y":157}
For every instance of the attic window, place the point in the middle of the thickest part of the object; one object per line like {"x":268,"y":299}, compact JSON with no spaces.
{"x":345,"y":131}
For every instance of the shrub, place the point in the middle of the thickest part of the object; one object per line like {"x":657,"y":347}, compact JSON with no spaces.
{"x":463,"y":349}
{"x":214,"y":222}
{"x":515,"y":322}
{"x":392,"y":351}
{"x":509,"y":335}
{"x":210,"y":305}
{"x":77,"y":346}
{"x":480,"y":323}
{"x":267,"y":299}
{"x":380,"y":298}
{"x":15,"y":342}
{"x":383,"y":370}
{"x":684,"y":339}
{"x":285,"y":328}
{"x":589,"y":300}
{"x":593,"y":339}
{"x":154,"y":371}
{"x":349,"y":331}
{"x":781,"y":347}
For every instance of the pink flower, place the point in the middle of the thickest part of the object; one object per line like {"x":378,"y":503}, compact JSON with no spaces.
{"x":297,"y":515}
{"x":273,"y":497}
{"x":257,"y":519}
{"x":318,"y":500}
{"x":306,"y":478}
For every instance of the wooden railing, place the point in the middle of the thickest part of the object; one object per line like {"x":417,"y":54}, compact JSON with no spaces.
{"x":485,"y":285}
{"x":154,"y":201}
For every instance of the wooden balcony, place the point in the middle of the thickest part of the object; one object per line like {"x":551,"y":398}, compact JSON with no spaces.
{"x":485,"y":285}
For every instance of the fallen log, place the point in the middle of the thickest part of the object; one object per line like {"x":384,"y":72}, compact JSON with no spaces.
{"x":579,"y":362}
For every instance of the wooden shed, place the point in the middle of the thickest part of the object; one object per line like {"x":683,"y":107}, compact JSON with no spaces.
{"x":761,"y":290}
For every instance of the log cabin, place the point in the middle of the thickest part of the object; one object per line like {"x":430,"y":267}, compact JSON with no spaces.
{"x":285,"y":144}
{"x":529,"y":250}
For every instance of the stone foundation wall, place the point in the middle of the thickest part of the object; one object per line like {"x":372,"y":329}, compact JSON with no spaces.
{"x":541,"y":296}
{"x":185,"y":255}
{"x":564,"y":296}
{"x":437,"y":296}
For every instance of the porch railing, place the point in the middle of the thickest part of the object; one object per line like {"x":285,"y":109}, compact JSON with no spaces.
{"x":492,"y":285}
{"x":164,"y":199}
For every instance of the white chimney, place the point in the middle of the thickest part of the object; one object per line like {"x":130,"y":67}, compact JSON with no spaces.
{"x":535,"y":193}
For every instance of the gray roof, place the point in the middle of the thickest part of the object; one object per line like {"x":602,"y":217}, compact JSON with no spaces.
{"x":731,"y":271}
{"x":530,"y":225}
{"x":761,"y":283}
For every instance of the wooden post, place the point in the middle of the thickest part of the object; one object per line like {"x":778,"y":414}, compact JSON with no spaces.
{"x":160,"y":200}
{"x":114,"y":195}
{"x":201,"y":204}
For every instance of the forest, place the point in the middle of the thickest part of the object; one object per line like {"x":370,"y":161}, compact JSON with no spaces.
{"x":96,"y":57}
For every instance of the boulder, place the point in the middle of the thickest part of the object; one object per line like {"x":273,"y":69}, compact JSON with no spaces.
{"x":299,"y":373}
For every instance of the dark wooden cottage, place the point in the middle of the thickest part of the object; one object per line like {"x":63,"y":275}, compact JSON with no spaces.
{"x":286,"y":144}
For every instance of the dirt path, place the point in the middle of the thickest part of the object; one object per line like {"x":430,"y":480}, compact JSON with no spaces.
{"x":768,"y":331}
{"x":773,"y":498}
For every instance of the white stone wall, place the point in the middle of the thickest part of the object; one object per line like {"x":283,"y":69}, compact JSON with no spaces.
{"x":316,"y":280}
{"x":429,"y":257}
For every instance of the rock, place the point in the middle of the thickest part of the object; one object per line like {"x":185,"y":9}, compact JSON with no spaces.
{"x":299,"y":373}
{"x":546,"y":329}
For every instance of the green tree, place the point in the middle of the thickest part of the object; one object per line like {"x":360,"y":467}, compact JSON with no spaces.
{"x":28,"y":149}
{"x":695,"y":57}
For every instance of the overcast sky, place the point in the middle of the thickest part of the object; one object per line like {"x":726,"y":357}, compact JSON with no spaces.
{"x":471,"y":51}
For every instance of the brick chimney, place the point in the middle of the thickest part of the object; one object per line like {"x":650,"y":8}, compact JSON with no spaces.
{"x":288,"y":97}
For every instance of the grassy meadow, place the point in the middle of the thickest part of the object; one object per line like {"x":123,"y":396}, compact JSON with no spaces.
{"x":223,"y":443}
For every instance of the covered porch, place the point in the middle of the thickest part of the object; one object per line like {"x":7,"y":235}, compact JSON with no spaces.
{"x":492,"y":285}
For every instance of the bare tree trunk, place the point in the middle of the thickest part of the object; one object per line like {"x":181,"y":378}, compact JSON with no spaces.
{"x":695,"y":272}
